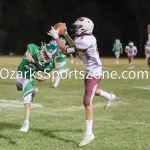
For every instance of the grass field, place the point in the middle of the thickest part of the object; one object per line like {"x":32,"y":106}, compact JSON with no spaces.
{"x":60,"y":123}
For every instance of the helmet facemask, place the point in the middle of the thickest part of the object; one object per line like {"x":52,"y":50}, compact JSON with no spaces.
{"x":43,"y":55}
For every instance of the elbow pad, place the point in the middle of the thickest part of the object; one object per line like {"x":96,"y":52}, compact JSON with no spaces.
{"x":71,"y":50}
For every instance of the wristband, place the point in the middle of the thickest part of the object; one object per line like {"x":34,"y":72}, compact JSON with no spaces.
{"x":71,"y":50}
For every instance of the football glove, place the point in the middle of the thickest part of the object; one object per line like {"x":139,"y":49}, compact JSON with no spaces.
{"x":53,"y":33}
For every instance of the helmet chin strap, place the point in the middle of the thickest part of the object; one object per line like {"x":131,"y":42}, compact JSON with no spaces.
{"x":41,"y":59}
{"x":41,"y":53}
{"x":41,"y":63}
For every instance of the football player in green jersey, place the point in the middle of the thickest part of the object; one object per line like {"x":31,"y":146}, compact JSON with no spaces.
{"x":147,"y":53}
{"x":117,"y":48}
{"x":36,"y":61}
{"x":60,"y":61}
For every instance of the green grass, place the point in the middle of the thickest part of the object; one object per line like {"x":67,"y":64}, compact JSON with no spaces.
{"x":60,"y":124}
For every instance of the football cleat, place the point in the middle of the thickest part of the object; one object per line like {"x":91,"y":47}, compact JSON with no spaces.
{"x":109,"y":101}
{"x":131,"y":67}
{"x":25,"y":127}
{"x":53,"y":86}
{"x":87,"y":139}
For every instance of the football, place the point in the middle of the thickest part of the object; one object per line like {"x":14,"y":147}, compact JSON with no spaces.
{"x":61,"y":27}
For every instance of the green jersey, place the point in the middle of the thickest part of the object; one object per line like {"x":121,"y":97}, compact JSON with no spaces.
{"x":60,"y":57}
{"x":27,"y":69}
{"x":117,"y":47}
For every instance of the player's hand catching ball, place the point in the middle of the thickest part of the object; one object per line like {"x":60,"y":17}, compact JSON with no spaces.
{"x":53,"y":33}
{"x":65,"y":31}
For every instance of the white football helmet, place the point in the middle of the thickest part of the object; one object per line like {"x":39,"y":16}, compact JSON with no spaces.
{"x":117,"y":41}
{"x":131,"y":44}
{"x":83,"y":25}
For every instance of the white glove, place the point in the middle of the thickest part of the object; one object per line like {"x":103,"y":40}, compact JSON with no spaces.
{"x":53,"y":33}
{"x":65,"y":32}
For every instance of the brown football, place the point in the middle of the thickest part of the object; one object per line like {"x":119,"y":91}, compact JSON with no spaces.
{"x":61,"y":27}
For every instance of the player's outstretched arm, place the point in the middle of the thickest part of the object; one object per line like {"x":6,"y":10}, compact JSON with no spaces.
{"x":68,"y":38}
{"x":54,"y":34}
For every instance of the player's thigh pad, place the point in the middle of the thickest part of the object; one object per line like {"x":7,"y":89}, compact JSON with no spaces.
{"x":90,"y":89}
{"x":28,"y":87}
{"x":19,"y":83}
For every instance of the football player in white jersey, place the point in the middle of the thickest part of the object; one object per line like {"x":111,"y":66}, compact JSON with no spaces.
{"x":147,"y":53}
{"x":85,"y":45}
{"x":131,"y":51}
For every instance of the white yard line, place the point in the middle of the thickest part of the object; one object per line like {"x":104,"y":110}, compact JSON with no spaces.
{"x":14,"y":105}
{"x":142,"y":87}
{"x":95,"y":118}
{"x":83,"y":117}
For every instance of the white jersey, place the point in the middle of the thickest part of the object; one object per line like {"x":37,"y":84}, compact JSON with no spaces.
{"x":131,"y":50}
{"x":148,"y":50}
{"x":88,"y":53}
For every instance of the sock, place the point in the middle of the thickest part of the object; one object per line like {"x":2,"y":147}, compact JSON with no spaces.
{"x":88,"y":127}
{"x":105,"y":94}
{"x":56,"y":82}
{"x":26,"y":122}
{"x":131,"y":64}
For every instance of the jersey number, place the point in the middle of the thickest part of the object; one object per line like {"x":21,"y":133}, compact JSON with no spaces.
{"x":30,"y":67}
{"x":86,"y":55}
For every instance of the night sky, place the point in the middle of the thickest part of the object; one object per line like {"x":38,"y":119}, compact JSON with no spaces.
{"x":26,"y":21}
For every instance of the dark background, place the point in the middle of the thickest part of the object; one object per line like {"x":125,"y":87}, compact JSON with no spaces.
{"x":25,"y":21}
